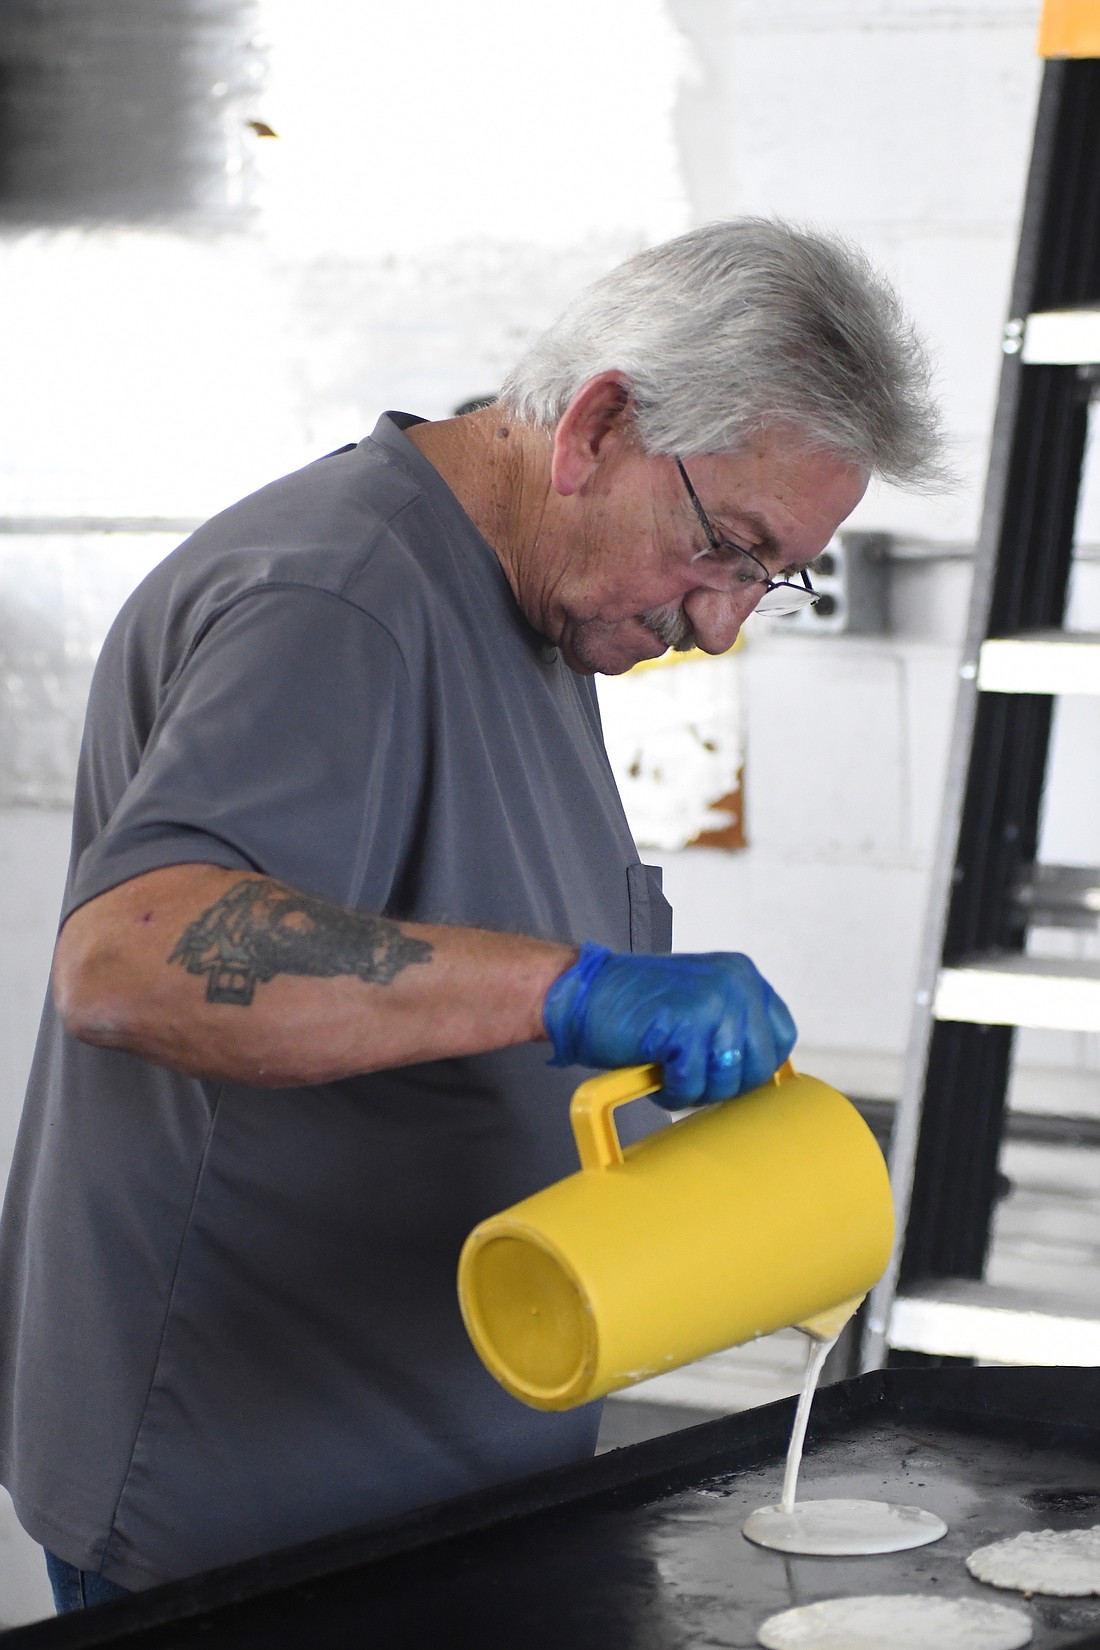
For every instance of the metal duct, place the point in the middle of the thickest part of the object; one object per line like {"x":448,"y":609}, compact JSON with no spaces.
{"x":126,"y":111}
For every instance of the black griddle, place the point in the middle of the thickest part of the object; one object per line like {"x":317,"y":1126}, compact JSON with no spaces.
{"x":641,"y":1549}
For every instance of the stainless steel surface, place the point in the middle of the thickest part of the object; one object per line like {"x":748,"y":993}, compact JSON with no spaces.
{"x":1060,"y":896}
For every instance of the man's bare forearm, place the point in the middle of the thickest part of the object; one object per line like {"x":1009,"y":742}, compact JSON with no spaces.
{"x":241,"y":978}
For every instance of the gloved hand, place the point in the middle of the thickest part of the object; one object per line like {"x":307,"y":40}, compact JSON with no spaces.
{"x":711,"y":1020}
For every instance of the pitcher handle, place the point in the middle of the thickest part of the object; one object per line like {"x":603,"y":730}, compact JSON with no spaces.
{"x":593,"y":1103}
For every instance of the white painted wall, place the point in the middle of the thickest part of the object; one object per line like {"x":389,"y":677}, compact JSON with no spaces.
{"x":445,"y":178}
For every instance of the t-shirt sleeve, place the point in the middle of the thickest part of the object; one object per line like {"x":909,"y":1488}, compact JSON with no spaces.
{"x":284,"y":745}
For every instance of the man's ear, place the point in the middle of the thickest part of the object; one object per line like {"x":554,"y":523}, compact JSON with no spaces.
{"x":597,"y":418}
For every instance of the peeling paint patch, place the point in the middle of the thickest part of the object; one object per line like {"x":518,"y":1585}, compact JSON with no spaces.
{"x":676,"y":744}
{"x":733,"y":834}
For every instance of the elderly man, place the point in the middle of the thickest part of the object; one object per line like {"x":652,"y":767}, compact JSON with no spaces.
{"x":347,"y":854}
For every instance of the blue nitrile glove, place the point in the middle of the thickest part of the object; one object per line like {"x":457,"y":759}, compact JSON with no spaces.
{"x":711,"y":1020}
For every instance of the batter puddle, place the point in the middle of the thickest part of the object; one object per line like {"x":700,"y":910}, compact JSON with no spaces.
{"x":1059,"y":1563}
{"x":838,"y":1528}
{"x":900,"y":1621}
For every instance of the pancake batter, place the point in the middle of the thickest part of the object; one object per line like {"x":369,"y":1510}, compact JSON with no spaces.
{"x":900,"y":1621}
{"x":1060,"y":1563}
{"x":837,"y":1528}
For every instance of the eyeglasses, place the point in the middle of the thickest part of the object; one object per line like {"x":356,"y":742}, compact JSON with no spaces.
{"x":780,"y":595}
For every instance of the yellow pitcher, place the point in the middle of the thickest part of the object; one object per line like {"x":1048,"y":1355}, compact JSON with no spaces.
{"x":747,"y":1216}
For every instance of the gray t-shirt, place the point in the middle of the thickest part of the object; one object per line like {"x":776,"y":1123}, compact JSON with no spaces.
{"x":228,"y":1318}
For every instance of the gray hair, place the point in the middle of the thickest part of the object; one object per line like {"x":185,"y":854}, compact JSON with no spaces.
{"x":739,"y":326}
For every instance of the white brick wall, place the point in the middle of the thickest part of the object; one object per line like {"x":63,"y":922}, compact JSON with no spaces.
{"x":908,"y":126}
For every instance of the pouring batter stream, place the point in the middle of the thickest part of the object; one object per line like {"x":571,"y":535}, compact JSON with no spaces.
{"x":834,"y":1527}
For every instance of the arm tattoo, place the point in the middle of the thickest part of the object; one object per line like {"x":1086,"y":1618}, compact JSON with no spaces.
{"x":260,"y":929}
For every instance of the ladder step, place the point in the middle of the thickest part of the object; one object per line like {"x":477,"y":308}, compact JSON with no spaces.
{"x":1060,"y":338}
{"x":1045,"y":661}
{"x":958,"y":1318}
{"x":1051,"y":993}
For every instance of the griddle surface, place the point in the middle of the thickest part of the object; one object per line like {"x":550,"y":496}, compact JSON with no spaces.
{"x":641,"y":1549}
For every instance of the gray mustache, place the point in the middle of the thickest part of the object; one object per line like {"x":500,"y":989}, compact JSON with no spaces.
{"x":672,"y":626}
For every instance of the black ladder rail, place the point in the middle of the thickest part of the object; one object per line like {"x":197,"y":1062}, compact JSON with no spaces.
{"x":950,"y":1112}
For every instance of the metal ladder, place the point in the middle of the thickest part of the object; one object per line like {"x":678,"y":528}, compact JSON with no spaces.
{"x":976,"y":982}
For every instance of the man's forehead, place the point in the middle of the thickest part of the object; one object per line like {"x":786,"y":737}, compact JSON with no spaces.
{"x":749,"y":475}
{"x":744,"y":489}
{"x":776,"y":486}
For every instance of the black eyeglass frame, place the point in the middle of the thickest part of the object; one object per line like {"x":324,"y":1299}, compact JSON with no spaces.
{"x":716,"y":544}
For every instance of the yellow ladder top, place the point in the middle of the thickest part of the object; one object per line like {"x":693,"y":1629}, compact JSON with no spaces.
{"x":1070,"y":28}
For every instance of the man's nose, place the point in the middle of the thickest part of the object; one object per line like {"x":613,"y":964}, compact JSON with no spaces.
{"x":716,"y":616}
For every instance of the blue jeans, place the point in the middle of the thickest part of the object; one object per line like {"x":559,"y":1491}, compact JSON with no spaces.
{"x":75,"y":1589}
